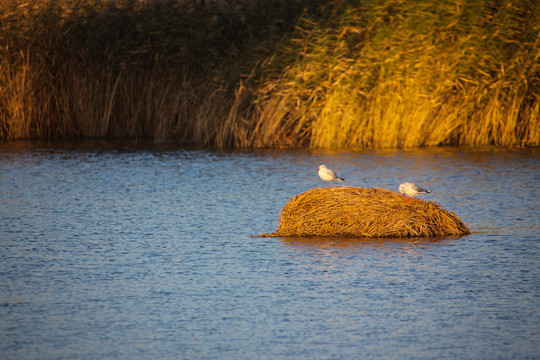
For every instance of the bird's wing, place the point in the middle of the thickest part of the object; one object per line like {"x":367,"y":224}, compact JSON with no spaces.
{"x":336,"y":176}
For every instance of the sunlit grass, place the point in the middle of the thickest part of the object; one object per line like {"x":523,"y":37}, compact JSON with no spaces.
{"x":343,"y":74}
{"x":405,"y":74}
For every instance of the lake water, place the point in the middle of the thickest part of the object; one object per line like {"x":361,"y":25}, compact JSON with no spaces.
{"x":125,"y":251}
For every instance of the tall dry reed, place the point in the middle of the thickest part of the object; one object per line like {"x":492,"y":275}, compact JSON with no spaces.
{"x":406,"y":74}
{"x":273,"y":73}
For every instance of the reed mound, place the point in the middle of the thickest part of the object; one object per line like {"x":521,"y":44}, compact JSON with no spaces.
{"x":356,"y":211}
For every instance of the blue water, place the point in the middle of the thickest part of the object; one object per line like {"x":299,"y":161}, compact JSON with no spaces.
{"x":125,"y":251}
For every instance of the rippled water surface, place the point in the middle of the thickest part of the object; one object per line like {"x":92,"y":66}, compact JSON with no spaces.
{"x":117,"y":251}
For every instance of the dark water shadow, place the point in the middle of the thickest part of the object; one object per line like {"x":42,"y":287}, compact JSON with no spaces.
{"x":324,"y":242}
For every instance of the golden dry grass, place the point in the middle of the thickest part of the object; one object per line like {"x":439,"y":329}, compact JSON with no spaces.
{"x":306,"y":73}
{"x":411,"y":73}
{"x":364,"y":212}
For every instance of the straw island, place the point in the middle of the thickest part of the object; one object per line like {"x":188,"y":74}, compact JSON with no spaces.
{"x":364,"y":212}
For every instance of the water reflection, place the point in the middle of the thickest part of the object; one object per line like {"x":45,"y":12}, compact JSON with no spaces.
{"x":325,"y":242}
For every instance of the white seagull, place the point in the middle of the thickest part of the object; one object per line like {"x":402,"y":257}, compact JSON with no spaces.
{"x":328,"y":175}
{"x":411,"y":189}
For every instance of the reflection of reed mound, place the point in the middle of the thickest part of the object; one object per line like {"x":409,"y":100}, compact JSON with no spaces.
{"x":353,"y":211}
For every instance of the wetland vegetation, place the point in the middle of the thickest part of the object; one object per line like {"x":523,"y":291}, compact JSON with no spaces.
{"x":321,"y":74}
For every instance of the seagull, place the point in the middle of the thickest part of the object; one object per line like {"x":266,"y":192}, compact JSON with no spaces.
{"x":411,"y":189}
{"x":328,"y":175}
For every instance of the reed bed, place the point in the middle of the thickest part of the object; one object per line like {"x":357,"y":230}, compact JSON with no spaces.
{"x":406,"y":74}
{"x":321,"y":74}
{"x":364,"y":212}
